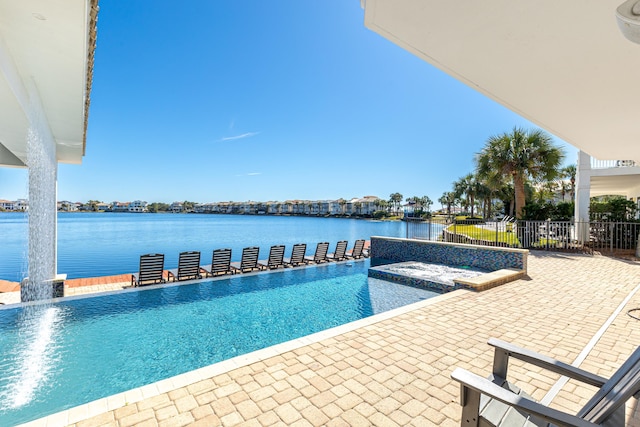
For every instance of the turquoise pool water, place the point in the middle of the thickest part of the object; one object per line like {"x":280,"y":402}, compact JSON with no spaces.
{"x":72,"y":352}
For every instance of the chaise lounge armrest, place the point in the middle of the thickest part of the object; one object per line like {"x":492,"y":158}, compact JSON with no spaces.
{"x":504,"y":350}
{"x":474,"y":384}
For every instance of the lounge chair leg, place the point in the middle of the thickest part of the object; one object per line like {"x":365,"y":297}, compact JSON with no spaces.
{"x":470,"y":401}
{"x":500,"y":363}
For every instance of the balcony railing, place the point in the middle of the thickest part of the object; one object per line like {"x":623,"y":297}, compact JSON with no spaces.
{"x":606,"y":164}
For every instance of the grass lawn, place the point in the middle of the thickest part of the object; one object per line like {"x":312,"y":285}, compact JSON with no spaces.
{"x":475,"y":232}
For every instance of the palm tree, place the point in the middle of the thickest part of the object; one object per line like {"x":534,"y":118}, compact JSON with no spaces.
{"x":522,"y":155}
{"x":395,"y":199}
{"x":469,"y":186}
{"x":485,"y":193}
{"x":569,"y":172}
{"x":448,"y":198}
{"x":426,"y":203}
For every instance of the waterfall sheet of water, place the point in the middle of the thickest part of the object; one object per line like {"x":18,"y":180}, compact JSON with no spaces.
{"x":32,"y":356}
{"x":42,"y":165}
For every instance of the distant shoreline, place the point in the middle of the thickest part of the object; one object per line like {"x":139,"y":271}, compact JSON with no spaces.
{"x":362,"y":217}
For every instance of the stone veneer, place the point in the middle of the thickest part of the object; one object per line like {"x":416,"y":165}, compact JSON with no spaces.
{"x":456,"y":254}
{"x":505,"y":264}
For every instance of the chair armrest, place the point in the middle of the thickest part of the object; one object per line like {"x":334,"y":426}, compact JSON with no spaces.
{"x":547,"y":363}
{"x":488,"y":388}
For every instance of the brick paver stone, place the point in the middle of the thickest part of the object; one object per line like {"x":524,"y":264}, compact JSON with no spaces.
{"x":396,"y":371}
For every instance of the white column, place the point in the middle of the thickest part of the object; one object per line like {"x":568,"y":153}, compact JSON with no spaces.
{"x":582,"y":197}
{"x":43,"y":170}
{"x":41,"y":160}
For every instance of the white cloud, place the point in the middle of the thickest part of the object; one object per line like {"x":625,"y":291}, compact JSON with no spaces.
{"x":242,"y":136}
{"x":250,"y":174}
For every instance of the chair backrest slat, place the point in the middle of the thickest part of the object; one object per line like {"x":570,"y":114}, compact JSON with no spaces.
{"x":358,"y":246}
{"x":189,"y":264}
{"x":623,"y":384}
{"x":321,"y":252}
{"x":276,"y":256}
{"x":249,"y":258}
{"x":151,"y":267}
{"x":341,"y":250}
{"x":221,"y":261}
{"x":297,"y":253}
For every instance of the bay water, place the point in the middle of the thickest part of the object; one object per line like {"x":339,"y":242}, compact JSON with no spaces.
{"x":102,"y":244}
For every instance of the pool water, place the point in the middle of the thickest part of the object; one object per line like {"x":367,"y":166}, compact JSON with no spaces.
{"x":57,"y":356}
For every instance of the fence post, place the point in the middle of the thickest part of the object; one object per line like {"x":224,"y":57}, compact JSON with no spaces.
{"x":406,"y":224}
{"x":497,"y":241}
{"x":548,"y":233}
{"x":611,"y":237}
{"x":429,"y":224}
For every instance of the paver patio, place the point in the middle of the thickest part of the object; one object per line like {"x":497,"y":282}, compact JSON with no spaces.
{"x":396,"y":372}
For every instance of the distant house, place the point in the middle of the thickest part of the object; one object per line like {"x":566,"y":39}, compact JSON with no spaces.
{"x":176,"y":207}
{"x":22,"y":205}
{"x":368,"y":205}
{"x":102,"y":206}
{"x":7,"y":205}
{"x":66,"y":206}
{"x":137,"y":206}
{"x":337,"y":207}
{"x":119,"y":207}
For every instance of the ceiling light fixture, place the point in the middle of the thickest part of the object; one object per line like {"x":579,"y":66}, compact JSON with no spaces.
{"x":628,"y":17}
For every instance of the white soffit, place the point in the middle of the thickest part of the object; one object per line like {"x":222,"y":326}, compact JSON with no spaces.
{"x":562,"y":64}
{"x":44,"y":47}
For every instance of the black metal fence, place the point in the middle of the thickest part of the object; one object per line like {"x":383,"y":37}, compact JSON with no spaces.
{"x":595,"y":236}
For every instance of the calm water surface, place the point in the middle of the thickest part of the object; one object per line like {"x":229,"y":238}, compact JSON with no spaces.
{"x":99,"y":244}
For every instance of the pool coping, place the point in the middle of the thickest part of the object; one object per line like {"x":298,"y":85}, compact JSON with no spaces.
{"x":119,"y":400}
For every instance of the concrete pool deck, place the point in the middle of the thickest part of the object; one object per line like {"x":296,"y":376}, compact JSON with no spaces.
{"x":393,"y":369}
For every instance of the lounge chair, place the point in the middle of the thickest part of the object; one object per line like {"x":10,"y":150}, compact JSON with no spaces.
{"x":356,"y":252}
{"x":366,"y":251}
{"x":494,"y":401}
{"x":188,"y":267}
{"x":340,"y":253}
{"x":321,"y":253}
{"x":151,"y":270}
{"x":220,"y":264}
{"x":249,"y":261}
{"x":297,"y":255}
{"x":276,"y":258}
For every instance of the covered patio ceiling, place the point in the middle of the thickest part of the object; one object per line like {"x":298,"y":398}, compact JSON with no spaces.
{"x":46,"y":58}
{"x":618,"y":184}
{"x":563,"y":65}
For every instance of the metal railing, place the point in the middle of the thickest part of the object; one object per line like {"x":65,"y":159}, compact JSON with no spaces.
{"x":605,"y":164}
{"x":595,"y":236}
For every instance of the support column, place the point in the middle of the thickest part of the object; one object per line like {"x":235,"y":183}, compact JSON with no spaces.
{"x":43,"y":181}
{"x":42,"y":164}
{"x":43,"y":170}
{"x":582,"y":196}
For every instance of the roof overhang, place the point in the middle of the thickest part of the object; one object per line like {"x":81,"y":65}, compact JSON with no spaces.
{"x":46,"y":54}
{"x":562,"y":64}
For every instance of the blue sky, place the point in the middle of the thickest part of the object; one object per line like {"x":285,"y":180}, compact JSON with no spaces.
{"x":267,"y":100}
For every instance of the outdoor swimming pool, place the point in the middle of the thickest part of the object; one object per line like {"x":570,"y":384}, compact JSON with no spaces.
{"x":78,"y":350}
